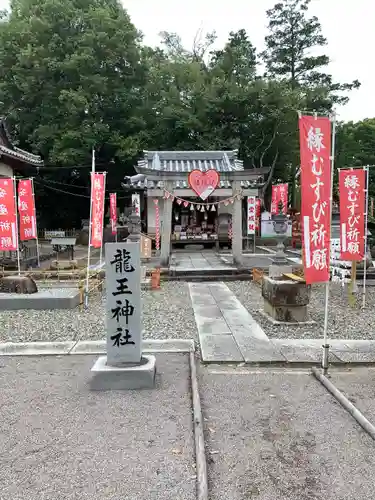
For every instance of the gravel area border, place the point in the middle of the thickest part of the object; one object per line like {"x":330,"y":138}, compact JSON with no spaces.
{"x":344,"y":321}
{"x":167,"y":313}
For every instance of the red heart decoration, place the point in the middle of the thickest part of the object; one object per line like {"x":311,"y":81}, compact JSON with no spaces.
{"x":204,"y":183}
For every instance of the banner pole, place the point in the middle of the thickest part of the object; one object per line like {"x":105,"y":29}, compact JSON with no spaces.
{"x":86,"y":304}
{"x":101,"y":245}
{"x":17,"y":235}
{"x":325,"y":358}
{"x":36,"y":225}
{"x":367,"y":170}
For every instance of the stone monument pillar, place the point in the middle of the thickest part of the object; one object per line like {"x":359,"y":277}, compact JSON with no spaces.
{"x":124,"y":367}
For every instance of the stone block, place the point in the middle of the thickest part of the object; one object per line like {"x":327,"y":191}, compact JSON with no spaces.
{"x":64,"y":264}
{"x":125,"y":377}
{"x":286,"y":314}
{"x":61,"y":298}
{"x":284,"y":292}
{"x":18,"y":284}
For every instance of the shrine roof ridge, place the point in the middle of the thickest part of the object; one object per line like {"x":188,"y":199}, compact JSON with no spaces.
{"x":7,"y":148}
{"x":186,"y":161}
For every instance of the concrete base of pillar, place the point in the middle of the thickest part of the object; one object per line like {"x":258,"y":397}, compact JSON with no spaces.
{"x":237,"y":261}
{"x":164,"y":262}
{"x":126,"y":377}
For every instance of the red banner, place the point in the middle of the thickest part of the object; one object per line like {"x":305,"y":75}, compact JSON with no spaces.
{"x":97,"y":213}
{"x":352,"y":208}
{"x":315,"y":148}
{"x":257,"y":211}
{"x":279,"y":193}
{"x":113,"y":211}
{"x":26,"y":209}
{"x":8,"y":215}
{"x":157,"y":224}
{"x":251,"y":214}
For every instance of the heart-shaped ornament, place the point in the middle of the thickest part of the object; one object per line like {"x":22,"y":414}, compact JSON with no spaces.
{"x":204,"y":183}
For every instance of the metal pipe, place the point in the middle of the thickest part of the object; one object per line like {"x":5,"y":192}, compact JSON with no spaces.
{"x":325,"y":356}
{"x":90,"y":229}
{"x":365,"y":236}
{"x":16,"y":222}
{"x":36,"y":225}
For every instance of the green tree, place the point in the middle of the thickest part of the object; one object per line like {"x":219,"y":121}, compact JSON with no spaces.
{"x":71,"y":77}
{"x":237,"y":59}
{"x":293,"y":36}
{"x":355,"y":147}
{"x":175,"y":95}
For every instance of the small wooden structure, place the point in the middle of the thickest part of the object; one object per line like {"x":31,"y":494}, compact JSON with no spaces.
{"x":257,"y":275}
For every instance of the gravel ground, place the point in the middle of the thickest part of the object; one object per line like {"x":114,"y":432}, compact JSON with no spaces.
{"x":280,"y":435}
{"x":344,"y":322}
{"x":167,"y":313}
{"x":358,"y":386}
{"x":59,"y":440}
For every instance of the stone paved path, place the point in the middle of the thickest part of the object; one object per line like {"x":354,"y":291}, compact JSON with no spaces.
{"x":197,"y":262}
{"x":229,"y":333}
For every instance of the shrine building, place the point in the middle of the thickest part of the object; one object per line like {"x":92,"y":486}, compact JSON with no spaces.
{"x":183,"y":216}
{"x":13,"y":160}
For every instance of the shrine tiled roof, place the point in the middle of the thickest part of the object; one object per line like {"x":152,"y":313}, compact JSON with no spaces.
{"x":8,"y":149}
{"x":186,"y":161}
{"x":183,"y":184}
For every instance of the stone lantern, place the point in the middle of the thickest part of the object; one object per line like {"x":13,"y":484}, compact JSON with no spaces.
{"x":134,"y":225}
{"x":280,"y":225}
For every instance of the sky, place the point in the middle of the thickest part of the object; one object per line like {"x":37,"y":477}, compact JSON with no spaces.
{"x":348,"y":26}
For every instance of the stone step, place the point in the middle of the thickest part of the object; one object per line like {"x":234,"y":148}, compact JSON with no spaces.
{"x":208,"y":278}
{"x":180,"y":271}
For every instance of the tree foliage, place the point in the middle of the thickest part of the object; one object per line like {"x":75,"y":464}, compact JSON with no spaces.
{"x":74,"y":75}
{"x":356,"y":147}
{"x":293,"y":38}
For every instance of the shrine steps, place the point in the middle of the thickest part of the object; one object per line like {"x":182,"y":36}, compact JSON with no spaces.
{"x":208,"y":274}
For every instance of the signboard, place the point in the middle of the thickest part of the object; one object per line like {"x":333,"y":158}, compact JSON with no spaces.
{"x":53,"y":234}
{"x":204,"y":183}
{"x":267,"y":229}
{"x":123,"y":304}
{"x":145,"y":247}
